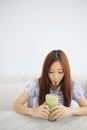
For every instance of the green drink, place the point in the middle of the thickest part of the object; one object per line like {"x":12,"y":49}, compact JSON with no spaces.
{"x":52,"y":101}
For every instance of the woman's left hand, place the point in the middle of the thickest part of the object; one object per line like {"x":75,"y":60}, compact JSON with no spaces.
{"x":60,"y":112}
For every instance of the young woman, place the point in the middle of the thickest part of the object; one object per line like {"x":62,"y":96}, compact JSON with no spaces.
{"x":55,"y":78}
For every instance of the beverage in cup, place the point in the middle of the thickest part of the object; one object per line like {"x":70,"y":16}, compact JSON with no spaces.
{"x":51,"y":101}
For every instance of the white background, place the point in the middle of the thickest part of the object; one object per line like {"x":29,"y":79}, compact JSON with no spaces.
{"x":29,"y":29}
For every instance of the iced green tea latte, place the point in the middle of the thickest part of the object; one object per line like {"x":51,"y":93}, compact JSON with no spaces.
{"x":52,"y":101}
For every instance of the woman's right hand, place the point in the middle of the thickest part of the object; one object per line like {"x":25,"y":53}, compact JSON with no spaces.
{"x":42,"y":111}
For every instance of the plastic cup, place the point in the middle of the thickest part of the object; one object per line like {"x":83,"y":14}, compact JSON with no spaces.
{"x":51,"y":101}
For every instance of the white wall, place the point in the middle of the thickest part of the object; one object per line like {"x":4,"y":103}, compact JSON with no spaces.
{"x":29,"y":29}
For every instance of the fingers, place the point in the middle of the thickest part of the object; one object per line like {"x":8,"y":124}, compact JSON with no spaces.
{"x":44,"y":115}
{"x":57,"y":113}
{"x":56,"y":107}
{"x":46,"y":106}
{"x":44,"y":111}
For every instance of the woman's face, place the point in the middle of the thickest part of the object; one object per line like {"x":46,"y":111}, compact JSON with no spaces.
{"x":56,"y":73}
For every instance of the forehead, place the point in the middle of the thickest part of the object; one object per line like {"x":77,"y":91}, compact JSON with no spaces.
{"x":56,"y":65}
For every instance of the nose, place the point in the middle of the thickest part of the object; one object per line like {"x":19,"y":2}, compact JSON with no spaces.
{"x":55,"y":77}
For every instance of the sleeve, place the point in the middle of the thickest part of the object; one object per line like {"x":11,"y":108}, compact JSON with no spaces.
{"x":77,"y":91}
{"x":31,"y":88}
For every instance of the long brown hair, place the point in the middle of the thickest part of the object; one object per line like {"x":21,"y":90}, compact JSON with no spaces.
{"x":44,"y":81}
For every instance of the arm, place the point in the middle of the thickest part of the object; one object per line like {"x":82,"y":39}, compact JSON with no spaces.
{"x":42,"y":111}
{"x":62,"y":111}
{"x":82,"y":110}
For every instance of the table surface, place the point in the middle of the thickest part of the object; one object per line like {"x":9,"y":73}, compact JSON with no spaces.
{"x":10,"y":120}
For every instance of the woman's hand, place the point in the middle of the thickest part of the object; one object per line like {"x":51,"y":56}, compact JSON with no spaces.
{"x":42,"y":111}
{"x":60,"y":112}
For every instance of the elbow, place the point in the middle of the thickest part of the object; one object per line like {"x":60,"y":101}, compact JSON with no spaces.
{"x":15,"y":107}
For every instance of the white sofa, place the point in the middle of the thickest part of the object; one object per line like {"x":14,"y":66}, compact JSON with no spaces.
{"x":11,"y":86}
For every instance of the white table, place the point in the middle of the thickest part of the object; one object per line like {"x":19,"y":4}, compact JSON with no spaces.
{"x":10,"y":120}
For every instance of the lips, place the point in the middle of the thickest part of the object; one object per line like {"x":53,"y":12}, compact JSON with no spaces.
{"x":55,"y":83}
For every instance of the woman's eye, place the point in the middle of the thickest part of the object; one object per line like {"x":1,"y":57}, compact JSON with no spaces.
{"x":61,"y":72}
{"x":50,"y":72}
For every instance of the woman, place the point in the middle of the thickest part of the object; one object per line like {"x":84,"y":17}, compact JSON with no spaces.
{"x":55,"y":78}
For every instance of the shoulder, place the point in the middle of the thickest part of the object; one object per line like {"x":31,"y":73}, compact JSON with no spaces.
{"x":32,"y":88}
{"x":75,"y":85}
{"x":33,"y":83}
{"x":77,"y":91}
